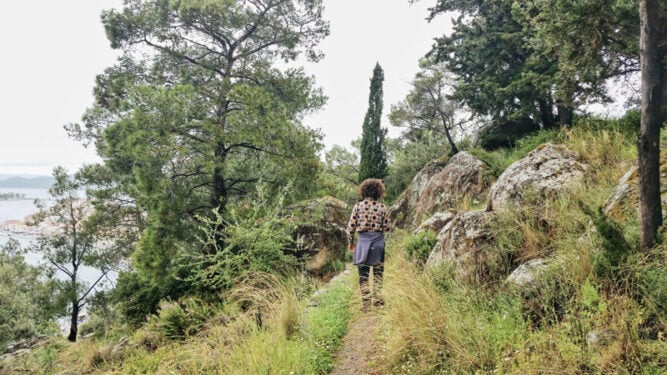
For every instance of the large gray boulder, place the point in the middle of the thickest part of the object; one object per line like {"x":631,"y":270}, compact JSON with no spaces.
{"x":320,"y":231}
{"x":547,"y":170}
{"x":436,"y":222}
{"x":467,"y":244}
{"x":401,"y":212}
{"x":440,"y":186}
{"x":527,"y":276}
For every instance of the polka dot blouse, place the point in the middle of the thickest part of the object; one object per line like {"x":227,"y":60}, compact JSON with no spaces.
{"x":367,"y":216}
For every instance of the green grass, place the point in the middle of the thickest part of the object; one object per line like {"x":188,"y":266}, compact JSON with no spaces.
{"x":435,"y":325}
{"x":296,"y":336}
{"x":431,"y":323}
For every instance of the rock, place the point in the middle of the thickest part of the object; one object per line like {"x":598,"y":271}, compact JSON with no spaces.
{"x":466,"y":243}
{"x":601,"y":337}
{"x":624,"y":200}
{"x":119,"y":347}
{"x":436,"y":222}
{"x":400,"y":212}
{"x":320,"y":231}
{"x":526,"y":276}
{"x":547,"y":170}
{"x":440,"y":186}
{"x":33,"y":343}
{"x":626,"y":190}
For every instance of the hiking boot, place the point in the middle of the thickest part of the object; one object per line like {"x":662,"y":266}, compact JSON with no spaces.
{"x":365,"y":303}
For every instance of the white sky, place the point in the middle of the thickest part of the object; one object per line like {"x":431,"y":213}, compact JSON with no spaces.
{"x":52,"y":51}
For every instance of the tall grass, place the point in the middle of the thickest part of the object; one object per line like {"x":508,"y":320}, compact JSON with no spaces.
{"x":270,"y":325}
{"x":434,"y":325}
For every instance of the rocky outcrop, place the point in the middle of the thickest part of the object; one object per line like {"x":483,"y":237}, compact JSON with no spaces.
{"x":624,"y":200}
{"x":440,"y":186}
{"x":467,"y":244}
{"x":546,"y":171}
{"x":400,"y":212}
{"x":526,"y":277}
{"x":320,"y":231}
{"x":436,"y":222}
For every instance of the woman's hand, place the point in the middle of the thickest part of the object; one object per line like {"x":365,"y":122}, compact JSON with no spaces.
{"x":351,"y":247}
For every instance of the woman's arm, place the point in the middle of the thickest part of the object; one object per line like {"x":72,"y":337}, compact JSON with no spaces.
{"x":352,"y":225}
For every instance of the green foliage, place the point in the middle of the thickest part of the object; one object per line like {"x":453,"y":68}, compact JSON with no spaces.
{"x":197,"y":111}
{"x":26,"y":298}
{"x":339,"y":178}
{"x":428,"y":108}
{"x":332,"y":267}
{"x":500,"y":75}
{"x":257,"y":237}
{"x":409,"y":157}
{"x":178,"y":320}
{"x":138,"y":297}
{"x":419,"y":246}
{"x":615,"y":248}
{"x":518,"y":61}
{"x":649,"y":272}
{"x":588,"y":41}
{"x":326,"y":325}
{"x":80,"y":241}
{"x":499,"y":160}
{"x":373,"y":159}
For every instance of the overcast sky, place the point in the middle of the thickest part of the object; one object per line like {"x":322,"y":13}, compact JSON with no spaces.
{"x":52,"y":51}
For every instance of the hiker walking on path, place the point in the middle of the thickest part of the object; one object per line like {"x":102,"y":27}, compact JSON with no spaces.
{"x":370,"y":220}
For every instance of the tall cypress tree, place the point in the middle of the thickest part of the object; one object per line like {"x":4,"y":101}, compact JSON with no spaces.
{"x":373,"y":162}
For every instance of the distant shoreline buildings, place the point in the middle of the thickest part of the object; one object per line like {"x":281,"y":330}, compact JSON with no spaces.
{"x":24,"y":228}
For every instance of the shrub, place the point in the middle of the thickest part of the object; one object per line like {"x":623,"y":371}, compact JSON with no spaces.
{"x":256,"y":238}
{"x":419,"y":246}
{"x":178,"y":320}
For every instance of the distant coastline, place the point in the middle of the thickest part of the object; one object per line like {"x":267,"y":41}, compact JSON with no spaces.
{"x":22,"y":182}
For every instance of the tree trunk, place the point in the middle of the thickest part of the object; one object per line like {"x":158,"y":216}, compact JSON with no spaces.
{"x":74,"y":321}
{"x":453,"y":149}
{"x":546,"y":114}
{"x":219,"y":194}
{"x":564,"y":115}
{"x":650,"y":210}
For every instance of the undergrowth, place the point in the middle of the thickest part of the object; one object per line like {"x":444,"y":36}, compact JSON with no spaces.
{"x":597,"y":308}
{"x":269,"y":325}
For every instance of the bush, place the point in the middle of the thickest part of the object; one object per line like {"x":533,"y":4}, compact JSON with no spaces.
{"x":27,"y":307}
{"x":410,"y":158}
{"x":257,"y":238}
{"x":138,"y":297}
{"x":419,"y":246}
{"x":178,"y":320}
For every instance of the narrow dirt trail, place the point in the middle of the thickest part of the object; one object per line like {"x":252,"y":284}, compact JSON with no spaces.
{"x":360,"y":351}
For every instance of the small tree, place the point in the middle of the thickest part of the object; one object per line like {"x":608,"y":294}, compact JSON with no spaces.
{"x":74,"y":242}
{"x":427,"y":106}
{"x":373,"y":162}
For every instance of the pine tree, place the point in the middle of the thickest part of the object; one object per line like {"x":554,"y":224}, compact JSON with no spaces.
{"x":373,"y":162}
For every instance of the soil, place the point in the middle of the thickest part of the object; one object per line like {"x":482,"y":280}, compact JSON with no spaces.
{"x":360,"y":349}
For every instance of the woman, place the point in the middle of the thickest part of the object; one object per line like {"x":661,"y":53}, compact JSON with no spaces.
{"x":370,"y":219}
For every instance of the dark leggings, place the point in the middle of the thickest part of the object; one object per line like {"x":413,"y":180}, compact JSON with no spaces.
{"x":364,"y":272}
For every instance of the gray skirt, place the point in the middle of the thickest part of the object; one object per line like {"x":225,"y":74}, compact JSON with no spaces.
{"x":370,"y":249}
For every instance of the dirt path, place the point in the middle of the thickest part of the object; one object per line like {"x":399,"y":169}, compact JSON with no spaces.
{"x":359,"y":351}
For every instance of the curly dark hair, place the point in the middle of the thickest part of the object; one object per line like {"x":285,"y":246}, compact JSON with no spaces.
{"x":372,"y":188}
